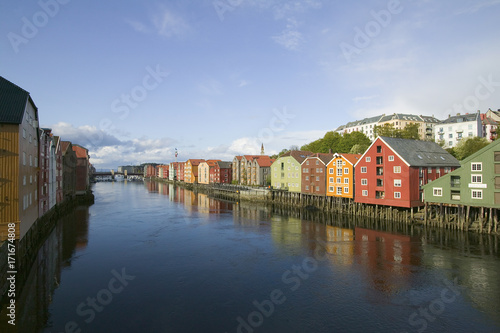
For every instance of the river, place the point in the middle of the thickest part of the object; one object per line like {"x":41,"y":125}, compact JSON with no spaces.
{"x":151,"y":257}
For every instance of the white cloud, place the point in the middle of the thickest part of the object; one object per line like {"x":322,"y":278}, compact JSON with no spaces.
{"x":163,"y":22}
{"x":290,"y":38}
{"x":106,"y":150}
{"x":477,"y":7}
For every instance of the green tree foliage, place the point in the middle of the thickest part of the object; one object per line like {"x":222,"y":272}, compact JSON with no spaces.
{"x":337,"y":143}
{"x":359,"y":148}
{"x":409,"y":132}
{"x":468,"y":146}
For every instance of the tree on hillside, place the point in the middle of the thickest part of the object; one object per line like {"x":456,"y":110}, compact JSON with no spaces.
{"x":359,"y":148}
{"x":337,"y":143}
{"x":468,"y":146}
{"x":410,"y":131}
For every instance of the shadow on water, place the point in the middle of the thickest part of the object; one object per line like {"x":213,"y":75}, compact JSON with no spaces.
{"x":60,"y":248}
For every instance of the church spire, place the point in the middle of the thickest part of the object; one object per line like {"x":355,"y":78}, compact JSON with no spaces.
{"x":262,"y":149}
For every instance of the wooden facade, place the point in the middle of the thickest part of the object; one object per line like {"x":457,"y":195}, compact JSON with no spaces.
{"x":340,"y":175}
{"x":314,"y":174}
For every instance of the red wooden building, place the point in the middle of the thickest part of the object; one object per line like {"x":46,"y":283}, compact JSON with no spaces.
{"x":314,"y":174}
{"x":221,"y":173}
{"x":392,"y":171}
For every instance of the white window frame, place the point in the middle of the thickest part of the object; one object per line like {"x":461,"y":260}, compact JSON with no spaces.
{"x":437,"y":191}
{"x":339,"y":172}
{"x":346,"y":181}
{"x":363,"y":169}
{"x":364,"y":181}
{"x":346,"y":171}
{"x":339,"y":190}
{"x":368,"y":159}
{"x":346,"y":189}
{"x":330,"y":180}
{"x":397,"y":195}
{"x":331,"y":171}
{"x":476,"y":194}
{"x":391,"y":158}
{"x":476,"y":166}
{"x":397,"y":169}
{"x":364,"y":193}
{"x":476,"y":178}
{"x":397,"y":182}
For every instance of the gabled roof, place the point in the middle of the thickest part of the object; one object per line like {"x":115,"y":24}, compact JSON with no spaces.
{"x":65,"y":145}
{"x":13,"y":101}
{"x":489,"y":121}
{"x":238,"y":157}
{"x":401,"y":116}
{"x":298,"y":155}
{"x":419,"y":153}
{"x":194,"y":161}
{"x":324,"y":158}
{"x":351,"y":158}
{"x":264,"y":161}
{"x":224,"y":164}
{"x":80,"y":151}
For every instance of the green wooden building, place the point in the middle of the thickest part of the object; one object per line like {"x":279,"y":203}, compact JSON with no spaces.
{"x":286,"y":172}
{"x":476,"y":183}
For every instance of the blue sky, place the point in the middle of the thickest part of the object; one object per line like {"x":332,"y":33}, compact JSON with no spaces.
{"x":133,"y":80}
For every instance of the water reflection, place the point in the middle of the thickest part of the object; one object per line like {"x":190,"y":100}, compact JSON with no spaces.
{"x":373,"y":269}
{"x":62,"y":246}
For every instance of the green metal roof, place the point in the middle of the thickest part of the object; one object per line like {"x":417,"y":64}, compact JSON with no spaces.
{"x":13,"y":101}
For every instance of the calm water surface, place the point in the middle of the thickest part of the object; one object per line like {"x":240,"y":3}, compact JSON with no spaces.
{"x":154,"y":258}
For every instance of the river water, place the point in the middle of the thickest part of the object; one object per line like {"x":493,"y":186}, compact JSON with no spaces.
{"x":150,"y":257}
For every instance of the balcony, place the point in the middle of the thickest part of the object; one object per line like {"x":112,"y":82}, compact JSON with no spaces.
{"x":379,"y":195}
{"x":380,"y":171}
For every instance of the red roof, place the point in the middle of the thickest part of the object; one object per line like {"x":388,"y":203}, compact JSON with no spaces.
{"x":195,"y":161}
{"x":80,"y":151}
{"x":353,"y":158}
{"x":264,"y":161}
{"x":65,"y":145}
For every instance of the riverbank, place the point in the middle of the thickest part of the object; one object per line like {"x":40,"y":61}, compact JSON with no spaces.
{"x":475,"y":219}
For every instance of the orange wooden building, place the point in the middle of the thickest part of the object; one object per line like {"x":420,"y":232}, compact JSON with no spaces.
{"x":340,"y":175}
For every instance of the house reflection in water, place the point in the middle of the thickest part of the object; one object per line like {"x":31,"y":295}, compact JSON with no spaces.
{"x":387,"y":258}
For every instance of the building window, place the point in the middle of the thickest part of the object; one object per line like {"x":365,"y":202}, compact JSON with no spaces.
{"x":476,"y":166}
{"x":346,"y":189}
{"x":397,"y":169}
{"x":476,"y":179}
{"x":346,"y":180}
{"x":476,"y":194}
{"x":317,"y":162}
{"x":331,"y":179}
{"x":450,"y":135}
{"x":339,"y":190}
{"x":429,"y":170}
{"x":330,"y":171}
{"x":364,"y":193}
{"x":364,"y":181}
{"x":24,"y":180}
{"x":437,"y":191}
{"x":363,"y":169}
{"x":397,"y":195}
{"x":307,"y":187}
{"x":307,"y":162}
{"x":24,"y":133}
{"x":397,"y":182}
{"x":380,"y":182}
{"x":339,"y":172}
{"x":330,"y":188}
{"x":391,"y":158}
{"x":368,"y":159}
{"x":450,"y":143}
{"x":379,"y":149}
{"x":24,"y":158}
{"x":447,"y":169}
{"x":317,"y":188}
{"x":317,"y":178}
{"x":346,"y":171}
{"x":338,"y":180}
